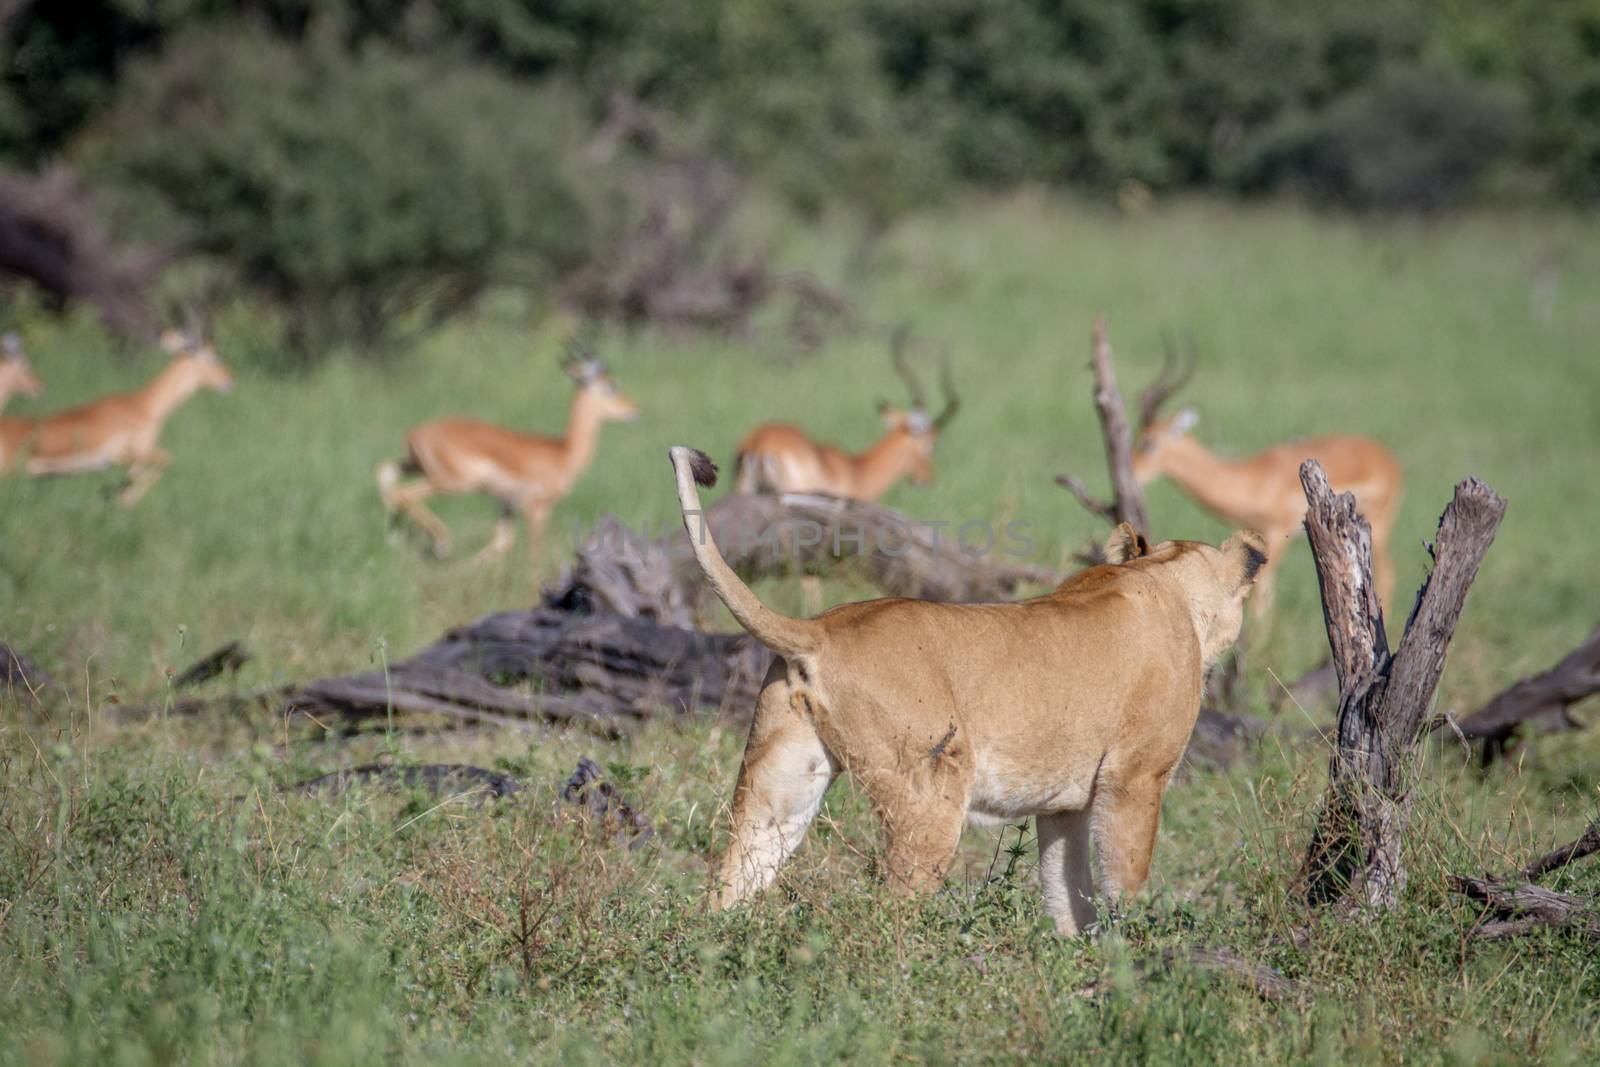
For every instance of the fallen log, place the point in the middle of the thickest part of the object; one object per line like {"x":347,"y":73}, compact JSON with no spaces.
{"x":615,"y":638}
{"x":600,"y":670}
{"x":1512,"y":909}
{"x":229,"y":658}
{"x":1355,"y":851}
{"x":434,"y":777}
{"x":1539,"y":702}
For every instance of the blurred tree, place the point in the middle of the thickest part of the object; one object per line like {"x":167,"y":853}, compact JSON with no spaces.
{"x":363,"y":191}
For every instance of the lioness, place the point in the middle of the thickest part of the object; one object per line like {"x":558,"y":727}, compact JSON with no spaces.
{"x":1073,"y":707}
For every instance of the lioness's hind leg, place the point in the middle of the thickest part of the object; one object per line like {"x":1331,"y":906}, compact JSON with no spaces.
{"x":923,"y":808}
{"x":1126,"y":815}
{"x":786,"y":771}
{"x":1066,"y":871}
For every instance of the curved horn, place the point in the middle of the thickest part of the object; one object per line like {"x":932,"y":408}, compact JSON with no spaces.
{"x":952,"y":402}
{"x":1175,"y":374}
{"x":898,"y":341}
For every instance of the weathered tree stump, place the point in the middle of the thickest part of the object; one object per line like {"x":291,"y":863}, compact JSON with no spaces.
{"x":1355,"y":852}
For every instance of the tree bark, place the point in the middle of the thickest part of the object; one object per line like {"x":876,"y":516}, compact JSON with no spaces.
{"x":1127,"y":500}
{"x":1355,"y":852}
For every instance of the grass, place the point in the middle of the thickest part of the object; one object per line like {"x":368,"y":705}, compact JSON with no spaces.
{"x":160,"y":900}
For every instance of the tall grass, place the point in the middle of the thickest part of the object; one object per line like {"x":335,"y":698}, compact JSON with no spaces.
{"x":161,"y":899}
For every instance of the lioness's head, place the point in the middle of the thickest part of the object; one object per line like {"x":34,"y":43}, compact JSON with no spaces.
{"x":1217,"y":580}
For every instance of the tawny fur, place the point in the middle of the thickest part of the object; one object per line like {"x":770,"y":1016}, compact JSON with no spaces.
{"x":778,"y":458}
{"x":1074,"y":707}
{"x":527,"y":473}
{"x":1263,"y":491}
{"x":17,"y":379}
{"x":122,"y":430}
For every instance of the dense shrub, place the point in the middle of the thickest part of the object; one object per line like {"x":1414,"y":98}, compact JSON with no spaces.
{"x":1412,"y":139}
{"x":359,"y":190}
{"x":363,"y":162}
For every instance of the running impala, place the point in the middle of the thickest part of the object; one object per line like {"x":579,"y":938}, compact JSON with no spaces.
{"x":525,"y":472}
{"x":121,"y":430}
{"x":779,"y":458}
{"x":16,"y":376}
{"x":1263,"y":491}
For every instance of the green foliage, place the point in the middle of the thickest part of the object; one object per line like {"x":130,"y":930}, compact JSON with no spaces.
{"x":1411,"y":139}
{"x":359,"y":190}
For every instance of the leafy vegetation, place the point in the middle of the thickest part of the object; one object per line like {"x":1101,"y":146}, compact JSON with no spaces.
{"x":162,"y":898}
{"x":368,"y":166}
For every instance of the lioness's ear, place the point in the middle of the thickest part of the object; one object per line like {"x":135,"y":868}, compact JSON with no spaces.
{"x":1250,"y":550}
{"x":1126,"y":543}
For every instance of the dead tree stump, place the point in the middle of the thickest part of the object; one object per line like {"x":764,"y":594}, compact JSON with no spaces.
{"x":1355,"y":852}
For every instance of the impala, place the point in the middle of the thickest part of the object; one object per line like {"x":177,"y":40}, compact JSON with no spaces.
{"x":1263,"y":491}
{"x":525,"y":472}
{"x":16,"y":376}
{"x":780,"y":458}
{"x":121,"y":430}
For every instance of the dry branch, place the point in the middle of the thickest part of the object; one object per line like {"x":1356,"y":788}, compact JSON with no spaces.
{"x":229,"y":658}
{"x":762,"y":534}
{"x":1542,"y":701}
{"x":1383,"y":698}
{"x":1520,"y":909}
{"x":1127,"y":499}
{"x":1586,"y":845}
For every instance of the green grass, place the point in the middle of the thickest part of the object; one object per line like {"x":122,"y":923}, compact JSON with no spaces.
{"x":159,"y":900}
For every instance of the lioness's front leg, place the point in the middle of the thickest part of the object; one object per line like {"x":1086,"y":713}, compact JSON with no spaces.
{"x":1066,"y":871}
{"x":786,"y":771}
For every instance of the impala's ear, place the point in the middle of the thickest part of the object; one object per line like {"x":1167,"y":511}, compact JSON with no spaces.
{"x":1249,"y":550}
{"x":1126,"y":543}
{"x":1185,"y":420}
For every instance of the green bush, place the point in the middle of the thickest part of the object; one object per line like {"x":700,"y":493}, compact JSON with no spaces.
{"x":359,"y":190}
{"x":1413,"y":139}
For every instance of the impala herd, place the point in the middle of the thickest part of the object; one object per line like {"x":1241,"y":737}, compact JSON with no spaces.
{"x":529,"y":473}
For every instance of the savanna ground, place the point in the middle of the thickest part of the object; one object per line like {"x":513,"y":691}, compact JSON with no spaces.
{"x":163,"y":900}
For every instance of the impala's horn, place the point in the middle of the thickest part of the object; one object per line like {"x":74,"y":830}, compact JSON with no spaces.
{"x":952,"y":402}
{"x":899,"y":341}
{"x":1175,"y":373}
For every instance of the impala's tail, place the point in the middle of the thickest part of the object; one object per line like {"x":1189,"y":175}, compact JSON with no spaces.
{"x":785,"y":636}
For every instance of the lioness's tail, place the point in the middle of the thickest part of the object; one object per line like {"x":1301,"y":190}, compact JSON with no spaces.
{"x":785,"y":636}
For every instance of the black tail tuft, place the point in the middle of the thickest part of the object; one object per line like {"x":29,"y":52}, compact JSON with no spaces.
{"x":704,"y":471}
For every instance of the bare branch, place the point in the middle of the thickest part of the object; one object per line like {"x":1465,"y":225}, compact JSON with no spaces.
{"x":1091,"y":504}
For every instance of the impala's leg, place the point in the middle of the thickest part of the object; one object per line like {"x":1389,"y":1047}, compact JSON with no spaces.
{"x":142,"y":474}
{"x":406,"y":498}
{"x":504,"y":536}
{"x":1125,"y":814}
{"x":786,"y":771}
{"x":537,"y":512}
{"x":1066,"y":870}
